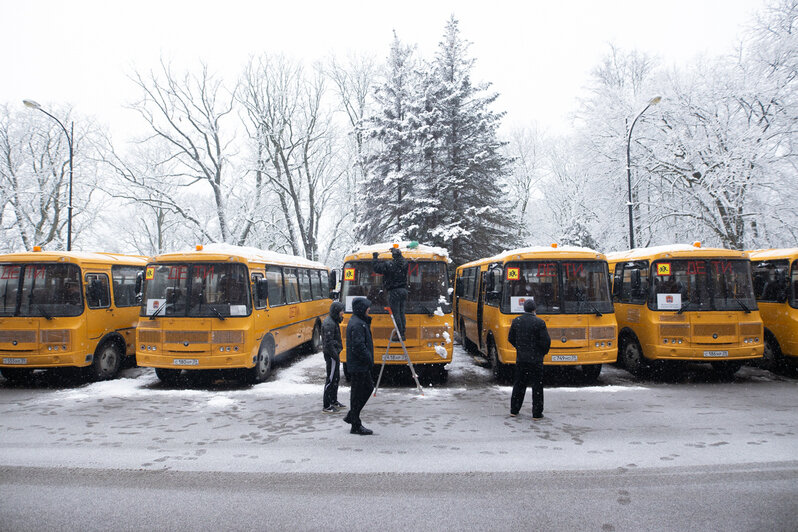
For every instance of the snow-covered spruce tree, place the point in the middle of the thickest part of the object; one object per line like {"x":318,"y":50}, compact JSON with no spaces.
{"x":391,"y":169}
{"x":462,"y":159}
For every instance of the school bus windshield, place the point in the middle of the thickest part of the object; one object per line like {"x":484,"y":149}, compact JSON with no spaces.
{"x":40,"y":290}
{"x":558,"y":287}
{"x":428,"y":287}
{"x":702,"y":284}
{"x":197,"y":290}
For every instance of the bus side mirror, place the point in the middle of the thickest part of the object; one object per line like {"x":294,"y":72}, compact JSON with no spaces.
{"x":333,"y":284}
{"x":139,"y":283}
{"x":262,"y":288}
{"x":491,"y":284}
{"x":459,"y":288}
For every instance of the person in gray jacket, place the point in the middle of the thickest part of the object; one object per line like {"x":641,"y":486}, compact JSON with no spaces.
{"x":359,"y":363}
{"x":331,"y":347}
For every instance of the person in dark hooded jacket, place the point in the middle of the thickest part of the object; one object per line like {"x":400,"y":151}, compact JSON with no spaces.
{"x":531,"y":340}
{"x":395,"y":282}
{"x":359,"y":362}
{"x":332,"y":346}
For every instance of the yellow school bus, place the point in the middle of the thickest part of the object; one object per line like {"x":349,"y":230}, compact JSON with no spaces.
{"x":67,"y":310}
{"x":570,"y":286}
{"x":685,"y":303}
{"x":429,"y":330}
{"x":225,"y":307}
{"x":775,"y":273}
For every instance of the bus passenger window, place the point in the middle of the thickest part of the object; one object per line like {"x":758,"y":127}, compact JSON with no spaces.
{"x":97,"y":290}
{"x":291,"y":285}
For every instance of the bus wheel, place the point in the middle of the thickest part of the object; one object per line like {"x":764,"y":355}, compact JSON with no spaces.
{"x":315,"y":341}
{"x":590,"y":372}
{"x":17,"y":374}
{"x":726,"y":369}
{"x":773,"y":359}
{"x":106,"y":363}
{"x":168,"y":376}
{"x":263,"y":365}
{"x":633,"y":358}
{"x":500,"y":371}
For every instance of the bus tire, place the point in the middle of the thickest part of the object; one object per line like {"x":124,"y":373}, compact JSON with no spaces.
{"x":773,"y":359}
{"x":168,"y":376}
{"x":17,"y":374}
{"x":590,"y":372}
{"x":106,"y":362}
{"x":726,"y":369}
{"x":263,"y":365}
{"x":500,"y":371}
{"x":633,"y":359}
{"x":315,"y":341}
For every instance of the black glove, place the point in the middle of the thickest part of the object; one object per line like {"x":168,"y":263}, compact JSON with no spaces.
{"x":375,"y":255}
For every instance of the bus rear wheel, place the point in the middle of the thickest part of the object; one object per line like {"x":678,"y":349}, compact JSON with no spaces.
{"x":106,"y":362}
{"x":16,"y":374}
{"x":168,"y":376}
{"x":314,"y":346}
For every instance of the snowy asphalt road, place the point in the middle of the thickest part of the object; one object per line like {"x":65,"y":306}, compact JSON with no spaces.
{"x":623,"y":454}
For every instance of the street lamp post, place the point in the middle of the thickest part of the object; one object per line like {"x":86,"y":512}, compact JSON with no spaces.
{"x":69,"y":135}
{"x":629,"y":204}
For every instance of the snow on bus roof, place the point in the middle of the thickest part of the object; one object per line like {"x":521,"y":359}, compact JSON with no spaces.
{"x":404,"y":246}
{"x":638,"y":253}
{"x":761,"y":254}
{"x":545,"y":249}
{"x":97,"y":256}
{"x":255,"y":254}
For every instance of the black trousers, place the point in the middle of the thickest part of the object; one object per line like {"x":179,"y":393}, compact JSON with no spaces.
{"x":331,"y":384}
{"x":526,"y":374}
{"x":362,"y":384}
{"x":396,"y":300}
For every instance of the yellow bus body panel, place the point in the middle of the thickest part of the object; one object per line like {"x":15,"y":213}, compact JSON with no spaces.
{"x":423,"y":332}
{"x":173,"y":342}
{"x":574,"y":328}
{"x":781,"y":319}
{"x":703,"y":332}
{"x":36,"y":339}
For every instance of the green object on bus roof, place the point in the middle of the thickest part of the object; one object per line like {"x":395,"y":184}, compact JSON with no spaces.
{"x":412,"y":245}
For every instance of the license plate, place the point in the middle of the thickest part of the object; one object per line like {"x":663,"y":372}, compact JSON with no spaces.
{"x":395,"y":357}
{"x":185,"y":362}
{"x":564,"y":358}
{"x":15,"y":361}
{"x":716,"y":354}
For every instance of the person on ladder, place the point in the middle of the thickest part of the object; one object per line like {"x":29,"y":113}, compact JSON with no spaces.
{"x":395,"y":282}
{"x":359,"y":362}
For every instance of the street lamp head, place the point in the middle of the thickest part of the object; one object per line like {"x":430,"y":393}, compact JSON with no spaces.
{"x":31,"y":104}
{"x":655,"y":100}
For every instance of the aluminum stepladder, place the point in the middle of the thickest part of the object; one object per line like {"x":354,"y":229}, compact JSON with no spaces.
{"x":395,"y":331}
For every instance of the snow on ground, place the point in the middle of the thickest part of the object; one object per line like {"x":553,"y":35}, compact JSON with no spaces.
{"x":277,"y":426}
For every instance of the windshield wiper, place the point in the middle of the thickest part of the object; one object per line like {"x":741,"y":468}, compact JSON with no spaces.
{"x":218,"y":314}
{"x":743,"y":305}
{"x":157,"y":311}
{"x":428,"y":311}
{"x":44,"y":312}
{"x":599,"y":314}
{"x":684,"y":306}
{"x":583,"y":302}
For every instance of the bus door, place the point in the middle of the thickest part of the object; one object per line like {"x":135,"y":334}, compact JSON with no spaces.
{"x":480,"y":306}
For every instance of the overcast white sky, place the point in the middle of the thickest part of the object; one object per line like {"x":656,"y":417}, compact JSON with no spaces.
{"x":538,"y":54}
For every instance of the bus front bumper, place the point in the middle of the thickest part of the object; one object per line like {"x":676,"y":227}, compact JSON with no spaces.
{"x":704,"y":353}
{"x":37,"y":360}
{"x":194,"y":360}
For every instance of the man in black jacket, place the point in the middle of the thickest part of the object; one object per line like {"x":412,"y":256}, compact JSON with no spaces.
{"x":395,"y":282}
{"x":359,"y":362}
{"x":332,"y":346}
{"x":531,"y":340}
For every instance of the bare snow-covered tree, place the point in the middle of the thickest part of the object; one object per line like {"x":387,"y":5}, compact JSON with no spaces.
{"x":292,"y":130}
{"x":34,"y":180}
